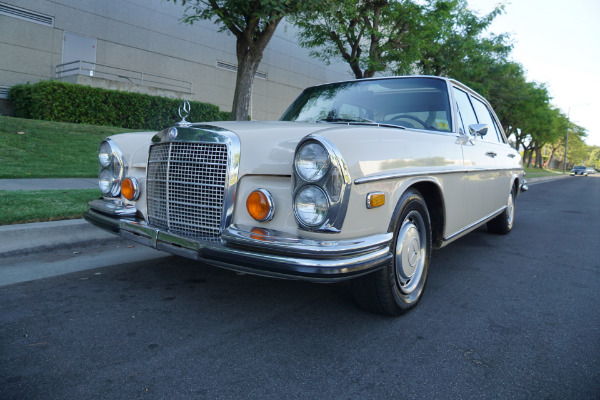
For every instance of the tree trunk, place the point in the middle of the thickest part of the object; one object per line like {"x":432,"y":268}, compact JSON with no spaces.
{"x":539,"y":159}
{"x":250,"y":45}
{"x":548,"y":163}
{"x":527,"y":157}
{"x":243,"y":87}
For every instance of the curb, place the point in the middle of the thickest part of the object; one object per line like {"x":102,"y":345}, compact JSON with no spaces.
{"x":531,"y":181}
{"x":39,"y":236}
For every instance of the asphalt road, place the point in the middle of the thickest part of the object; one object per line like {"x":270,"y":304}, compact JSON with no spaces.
{"x":503,"y":317}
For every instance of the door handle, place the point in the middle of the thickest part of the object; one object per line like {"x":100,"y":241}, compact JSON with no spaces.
{"x":511,"y":155}
{"x":491,"y":154}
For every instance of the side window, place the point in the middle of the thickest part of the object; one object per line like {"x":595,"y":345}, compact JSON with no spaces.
{"x":485,"y":117}
{"x":466,"y":115}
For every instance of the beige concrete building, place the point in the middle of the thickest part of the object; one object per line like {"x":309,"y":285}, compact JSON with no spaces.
{"x":141,"y":45}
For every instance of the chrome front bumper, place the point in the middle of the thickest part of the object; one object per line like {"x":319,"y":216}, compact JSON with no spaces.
{"x":255,"y":250}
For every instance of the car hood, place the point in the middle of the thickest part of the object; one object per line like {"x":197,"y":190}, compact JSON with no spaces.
{"x":267,"y":148}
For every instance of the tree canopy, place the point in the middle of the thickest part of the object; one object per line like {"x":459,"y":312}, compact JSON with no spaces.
{"x":253,"y":23}
{"x":370,"y":35}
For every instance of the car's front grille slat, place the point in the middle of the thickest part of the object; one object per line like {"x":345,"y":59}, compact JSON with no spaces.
{"x":186,"y":185}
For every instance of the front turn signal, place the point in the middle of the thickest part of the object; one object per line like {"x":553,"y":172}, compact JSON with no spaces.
{"x":130,"y":189}
{"x":260,"y":205}
{"x":375,"y":200}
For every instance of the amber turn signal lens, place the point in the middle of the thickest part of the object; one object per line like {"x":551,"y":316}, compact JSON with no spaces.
{"x":260,"y":205}
{"x":375,"y":200}
{"x":129,"y":189}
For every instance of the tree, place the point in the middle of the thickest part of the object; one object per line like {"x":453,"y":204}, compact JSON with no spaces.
{"x":560,"y":125}
{"x":370,"y":35}
{"x":594,"y":157}
{"x":253,"y":23}
{"x":522,"y":109}
{"x":577,"y":149}
{"x":452,"y":42}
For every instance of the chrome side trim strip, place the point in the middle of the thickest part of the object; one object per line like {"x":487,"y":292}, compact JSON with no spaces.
{"x":474,"y":224}
{"x":382,"y":177}
{"x":397,"y":175}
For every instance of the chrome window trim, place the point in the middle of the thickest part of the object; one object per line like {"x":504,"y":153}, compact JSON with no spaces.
{"x":337,"y":209}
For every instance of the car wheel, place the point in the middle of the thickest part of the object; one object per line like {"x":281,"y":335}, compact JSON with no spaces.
{"x":398,"y":286}
{"x":503,"y":223}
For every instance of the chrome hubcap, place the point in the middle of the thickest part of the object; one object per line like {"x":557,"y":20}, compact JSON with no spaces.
{"x":510,"y":211}
{"x":410,"y":252}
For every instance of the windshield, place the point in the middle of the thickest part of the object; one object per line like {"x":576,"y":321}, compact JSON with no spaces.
{"x":420,"y":103}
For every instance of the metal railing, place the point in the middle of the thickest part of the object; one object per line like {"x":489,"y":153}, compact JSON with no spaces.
{"x":119,"y":74}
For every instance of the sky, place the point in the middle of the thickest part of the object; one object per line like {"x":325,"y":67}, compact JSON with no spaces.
{"x":556,"y":41}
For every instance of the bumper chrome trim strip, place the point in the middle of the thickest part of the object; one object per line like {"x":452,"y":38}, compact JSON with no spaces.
{"x":259,"y":251}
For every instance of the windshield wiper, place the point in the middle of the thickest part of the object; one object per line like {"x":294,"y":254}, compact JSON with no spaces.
{"x":359,"y":121}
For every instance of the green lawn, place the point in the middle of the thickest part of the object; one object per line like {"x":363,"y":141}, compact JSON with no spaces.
{"x":17,"y":207}
{"x":537,"y":172}
{"x":44,"y":149}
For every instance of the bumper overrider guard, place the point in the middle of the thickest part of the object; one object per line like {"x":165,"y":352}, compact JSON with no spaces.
{"x":253,"y":250}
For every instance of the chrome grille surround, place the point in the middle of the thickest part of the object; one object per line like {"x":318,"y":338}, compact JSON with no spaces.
{"x":190,"y":181}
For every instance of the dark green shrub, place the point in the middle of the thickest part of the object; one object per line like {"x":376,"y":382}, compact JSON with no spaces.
{"x":70,"y":102}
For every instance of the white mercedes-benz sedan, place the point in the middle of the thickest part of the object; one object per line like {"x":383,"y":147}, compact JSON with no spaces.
{"x":358,"y":180}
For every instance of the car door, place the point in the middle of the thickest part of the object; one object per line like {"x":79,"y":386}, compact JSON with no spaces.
{"x":502,"y":155}
{"x":480,"y":162}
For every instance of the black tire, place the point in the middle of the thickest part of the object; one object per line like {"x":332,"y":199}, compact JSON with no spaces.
{"x":503,"y":223}
{"x":399,"y":286}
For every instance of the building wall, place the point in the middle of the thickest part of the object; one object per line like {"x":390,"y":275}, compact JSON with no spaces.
{"x":146,"y":36}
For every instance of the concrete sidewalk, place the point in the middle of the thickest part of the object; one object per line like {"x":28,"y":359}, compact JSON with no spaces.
{"x":39,"y":236}
{"x":49,"y":184}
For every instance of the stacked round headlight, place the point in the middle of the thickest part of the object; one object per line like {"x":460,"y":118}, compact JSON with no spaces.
{"x":112,"y":168}
{"x":312,"y":161}
{"x":321,"y":185}
{"x":311,"y":204}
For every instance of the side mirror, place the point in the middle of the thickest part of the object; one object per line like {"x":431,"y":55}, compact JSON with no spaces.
{"x":478,"y":129}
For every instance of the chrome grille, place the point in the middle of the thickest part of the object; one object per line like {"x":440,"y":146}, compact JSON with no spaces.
{"x":186,"y":187}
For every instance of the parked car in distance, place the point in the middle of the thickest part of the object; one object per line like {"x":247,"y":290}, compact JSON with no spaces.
{"x":358,"y":180}
{"x":579,"y":170}
{"x":590,"y":170}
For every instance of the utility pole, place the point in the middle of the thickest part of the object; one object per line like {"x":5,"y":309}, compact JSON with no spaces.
{"x":566,"y":142}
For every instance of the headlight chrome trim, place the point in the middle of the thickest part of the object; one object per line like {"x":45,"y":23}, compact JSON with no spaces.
{"x":115,"y":165}
{"x":338,"y":202}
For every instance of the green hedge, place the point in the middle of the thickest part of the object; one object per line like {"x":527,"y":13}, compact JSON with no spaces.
{"x":70,"y":102}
